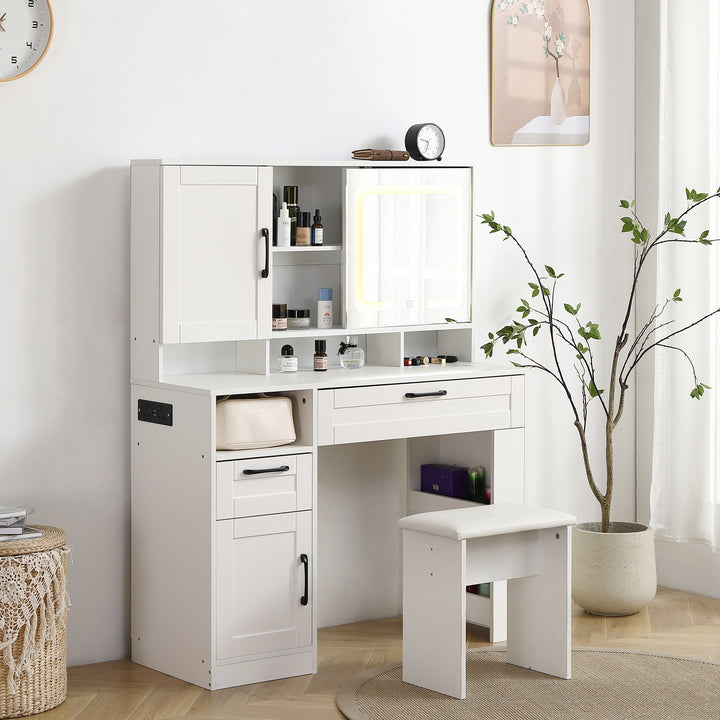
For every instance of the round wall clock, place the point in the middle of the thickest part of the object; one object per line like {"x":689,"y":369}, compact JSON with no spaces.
{"x":26,"y":28}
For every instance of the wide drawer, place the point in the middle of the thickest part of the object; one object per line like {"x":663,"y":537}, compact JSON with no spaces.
{"x":263,"y":486}
{"x":383,"y":412}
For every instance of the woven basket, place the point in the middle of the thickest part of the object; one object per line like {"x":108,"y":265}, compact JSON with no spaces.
{"x":44,"y":686}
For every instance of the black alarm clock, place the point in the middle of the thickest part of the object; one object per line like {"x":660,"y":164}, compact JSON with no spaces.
{"x":425,"y":141}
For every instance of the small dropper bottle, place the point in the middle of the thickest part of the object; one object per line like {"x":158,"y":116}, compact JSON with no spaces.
{"x":320,"y":360}
{"x":316,"y":231}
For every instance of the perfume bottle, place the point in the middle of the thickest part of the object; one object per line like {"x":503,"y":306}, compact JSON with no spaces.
{"x":351,"y":356}
{"x":287,"y":362}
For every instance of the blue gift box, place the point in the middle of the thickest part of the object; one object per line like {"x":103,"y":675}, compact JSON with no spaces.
{"x":448,"y":480}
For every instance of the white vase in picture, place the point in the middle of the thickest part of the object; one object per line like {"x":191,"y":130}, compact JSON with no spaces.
{"x":558,"y":112}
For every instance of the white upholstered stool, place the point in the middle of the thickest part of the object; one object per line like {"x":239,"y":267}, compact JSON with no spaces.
{"x":446,"y":550}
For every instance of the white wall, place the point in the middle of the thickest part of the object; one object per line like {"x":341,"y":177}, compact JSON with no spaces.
{"x":250,"y":81}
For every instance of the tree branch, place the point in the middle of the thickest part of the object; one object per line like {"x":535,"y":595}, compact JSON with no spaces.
{"x":667,"y":337}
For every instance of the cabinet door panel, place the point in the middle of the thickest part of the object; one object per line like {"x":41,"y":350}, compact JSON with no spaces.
{"x":407,"y":246}
{"x":260,"y":582}
{"x":213,"y":250}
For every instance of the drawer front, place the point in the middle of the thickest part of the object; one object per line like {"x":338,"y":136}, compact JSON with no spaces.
{"x":384,"y":412}
{"x":263,"y":486}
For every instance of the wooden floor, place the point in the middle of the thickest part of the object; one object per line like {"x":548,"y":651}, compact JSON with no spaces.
{"x":677,"y":623}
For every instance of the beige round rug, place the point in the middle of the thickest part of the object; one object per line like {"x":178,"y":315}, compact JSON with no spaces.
{"x":606,"y":685}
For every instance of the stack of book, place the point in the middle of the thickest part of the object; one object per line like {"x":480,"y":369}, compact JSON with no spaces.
{"x":12,"y":524}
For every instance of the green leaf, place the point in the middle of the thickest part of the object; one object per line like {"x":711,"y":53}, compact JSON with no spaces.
{"x":594,"y":392}
{"x":667,"y":219}
{"x":589,"y":332}
{"x":488,"y":349}
{"x":695,"y":196}
{"x":536,"y":330}
{"x":676,"y":296}
{"x":572,"y":310}
{"x":507,"y":230}
{"x":550,"y":271}
{"x":624,"y":204}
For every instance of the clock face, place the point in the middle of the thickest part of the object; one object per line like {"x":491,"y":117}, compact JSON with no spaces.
{"x":25,"y":31}
{"x":430,"y":141}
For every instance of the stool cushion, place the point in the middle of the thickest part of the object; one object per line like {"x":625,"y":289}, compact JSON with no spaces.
{"x":485,"y":520}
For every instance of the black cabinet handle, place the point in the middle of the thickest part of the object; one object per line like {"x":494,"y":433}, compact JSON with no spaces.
{"x":305,"y":562}
{"x":439,"y":393}
{"x":266,"y":270}
{"x":282,"y":468}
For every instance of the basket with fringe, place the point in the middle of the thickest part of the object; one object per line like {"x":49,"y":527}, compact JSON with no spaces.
{"x":33,"y":623}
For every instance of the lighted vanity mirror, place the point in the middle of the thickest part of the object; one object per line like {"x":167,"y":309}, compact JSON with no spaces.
{"x":407,"y":246}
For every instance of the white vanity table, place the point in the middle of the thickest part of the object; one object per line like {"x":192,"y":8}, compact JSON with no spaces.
{"x":225,"y":564}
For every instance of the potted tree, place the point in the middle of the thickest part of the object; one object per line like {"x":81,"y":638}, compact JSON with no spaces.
{"x":613,"y":562}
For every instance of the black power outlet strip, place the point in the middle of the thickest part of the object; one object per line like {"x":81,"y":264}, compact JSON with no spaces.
{"x":155,"y":412}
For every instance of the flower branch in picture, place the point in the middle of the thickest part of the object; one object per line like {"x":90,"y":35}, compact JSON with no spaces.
{"x":535,"y":10}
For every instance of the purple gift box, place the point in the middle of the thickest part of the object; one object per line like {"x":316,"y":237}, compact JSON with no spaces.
{"x":448,"y":480}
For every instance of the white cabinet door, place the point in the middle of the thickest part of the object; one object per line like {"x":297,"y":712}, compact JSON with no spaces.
{"x":264,"y":593}
{"x":407,"y":254}
{"x":216,"y":222}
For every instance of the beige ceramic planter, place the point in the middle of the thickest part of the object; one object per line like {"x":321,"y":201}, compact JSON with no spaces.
{"x":613,"y":573}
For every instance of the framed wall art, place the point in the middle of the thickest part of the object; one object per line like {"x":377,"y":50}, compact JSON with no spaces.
{"x":540,"y":72}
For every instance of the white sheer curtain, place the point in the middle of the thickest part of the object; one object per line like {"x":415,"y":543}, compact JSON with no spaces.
{"x":685,"y":491}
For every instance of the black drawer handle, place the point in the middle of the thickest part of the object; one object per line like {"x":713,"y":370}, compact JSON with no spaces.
{"x":266,"y":270}
{"x":439,"y":393}
{"x":304,"y":560}
{"x":282,"y":468}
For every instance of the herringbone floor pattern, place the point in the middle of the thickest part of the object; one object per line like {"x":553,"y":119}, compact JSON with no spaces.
{"x":676,"y":623}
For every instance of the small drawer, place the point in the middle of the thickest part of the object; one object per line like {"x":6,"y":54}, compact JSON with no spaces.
{"x":263,"y":486}
{"x":383,"y":412}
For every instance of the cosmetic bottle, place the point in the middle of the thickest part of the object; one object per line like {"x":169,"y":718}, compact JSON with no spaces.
{"x":290,"y":196}
{"x":302,"y":234}
{"x":325,"y":308}
{"x":320,"y":361}
{"x":284,"y":223}
{"x":316,"y":231}
{"x":279,"y":316}
{"x":351,"y":356}
{"x":287,"y":362}
{"x":298,"y":318}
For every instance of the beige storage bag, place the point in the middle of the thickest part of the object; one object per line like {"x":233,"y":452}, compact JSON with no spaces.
{"x":254,"y":422}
